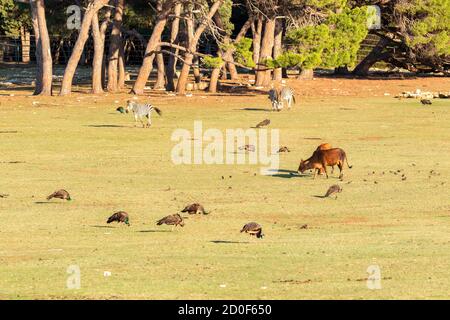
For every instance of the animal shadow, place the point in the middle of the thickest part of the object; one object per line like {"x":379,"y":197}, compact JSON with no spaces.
{"x":105,"y":227}
{"x":146,"y":231}
{"x":254,"y":109}
{"x":227,"y":242}
{"x":46,"y":202}
{"x":106,"y":126}
{"x":286,"y":174}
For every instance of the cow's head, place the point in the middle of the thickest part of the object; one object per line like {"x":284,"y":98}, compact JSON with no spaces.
{"x":302,"y":167}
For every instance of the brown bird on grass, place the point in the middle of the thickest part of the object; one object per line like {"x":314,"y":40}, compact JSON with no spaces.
{"x":248,"y":147}
{"x":284,"y":149}
{"x":60,"y":194}
{"x":263,"y":123}
{"x":426,"y":101}
{"x":253,"y":229}
{"x":195,"y":208}
{"x":334,"y":189}
{"x":172,"y":220}
{"x":120,"y":216}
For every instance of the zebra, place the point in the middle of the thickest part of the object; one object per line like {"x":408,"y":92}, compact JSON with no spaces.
{"x":273,"y":97}
{"x":140,"y":111}
{"x":287,"y":95}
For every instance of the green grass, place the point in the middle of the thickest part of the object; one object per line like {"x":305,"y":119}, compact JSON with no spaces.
{"x":402,"y":226}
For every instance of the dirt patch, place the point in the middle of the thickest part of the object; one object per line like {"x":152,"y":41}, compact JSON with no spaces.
{"x":378,"y":87}
{"x":322,"y":86}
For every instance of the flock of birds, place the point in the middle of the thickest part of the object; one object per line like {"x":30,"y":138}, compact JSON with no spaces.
{"x":174,"y":220}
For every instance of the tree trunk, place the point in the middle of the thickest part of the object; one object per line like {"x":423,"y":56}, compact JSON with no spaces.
{"x":263,"y":76}
{"x":121,"y":77}
{"x":257,"y":32}
{"x":172,"y":63}
{"x":234,"y":75}
{"x":25,"y":44}
{"x":57,"y":58}
{"x":214,"y":80}
{"x":362,"y":69}
{"x":97,"y":61}
{"x":182,"y":81}
{"x":115,"y":43}
{"x":93,"y":7}
{"x":277,"y":48}
{"x":38,"y":54}
{"x":161,"y":77}
{"x":196,"y":70}
{"x":228,"y":54}
{"x":341,"y":70}
{"x":224,"y":72}
{"x":306,"y":74}
{"x":44,"y":46}
{"x":152,"y":45}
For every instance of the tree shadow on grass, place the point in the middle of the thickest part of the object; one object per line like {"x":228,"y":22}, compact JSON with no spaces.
{"x":228,"y":242}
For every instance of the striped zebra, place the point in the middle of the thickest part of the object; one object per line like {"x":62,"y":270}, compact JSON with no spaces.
{"x":287,"y":95}
{"x":140,"y":111}
{"x":279,"y":97}
{"x":273,"y":97}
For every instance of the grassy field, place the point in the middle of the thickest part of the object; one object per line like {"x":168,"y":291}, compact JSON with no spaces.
{"x":83,"y":145}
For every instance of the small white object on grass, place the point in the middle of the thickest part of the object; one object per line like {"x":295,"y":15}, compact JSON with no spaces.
{"x":223,"y":286}
{"x":107,"y":273}
{"x":116,"y":101}
{"x":264,"y":287}
{"x":188,"y":95}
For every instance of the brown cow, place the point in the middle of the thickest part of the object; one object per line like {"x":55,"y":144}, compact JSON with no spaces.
{"x":323,"y":158}
{"x":325,"y":146}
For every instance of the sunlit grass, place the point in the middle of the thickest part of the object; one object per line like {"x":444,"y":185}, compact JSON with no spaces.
{"x":81,"y":144}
